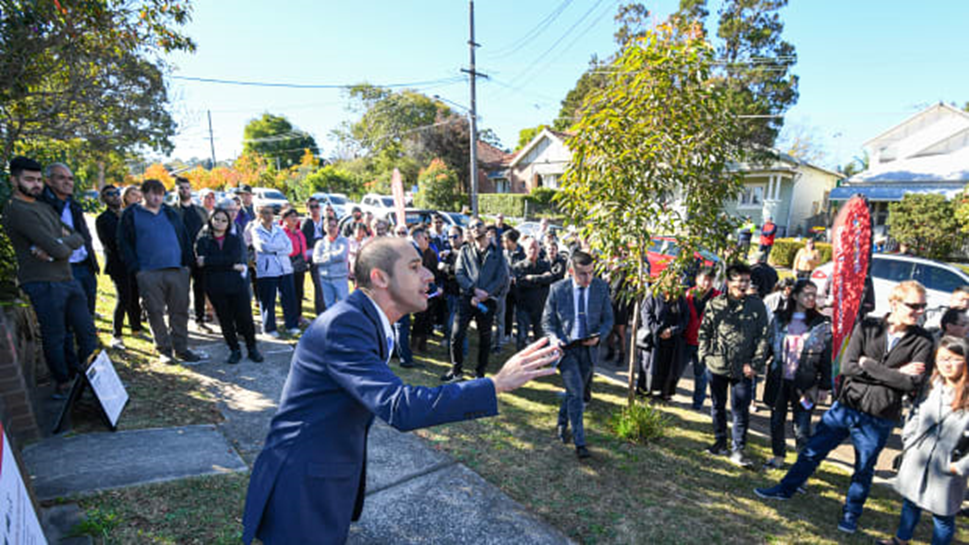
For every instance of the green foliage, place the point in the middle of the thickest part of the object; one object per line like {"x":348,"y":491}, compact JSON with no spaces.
{"x":330,"y":179}
{"x":97,"y":523}
{"x":438,"y":188}
{"x":89,"y":70}
{"x":652,"y":155}
{"x":525,"y":135}
{"x":640,"y":423}
{"x":509,"y":204}
{"x":274,"y":137}
{"x":754,"y":63}
{"x":926,"y":223}
{"x":784,"y":249}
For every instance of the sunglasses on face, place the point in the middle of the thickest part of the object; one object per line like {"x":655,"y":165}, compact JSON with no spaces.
{"x":111,"y":193}
{"x":915,"y":306}
{"x":454,"y":236}
{"x":314,"y":206}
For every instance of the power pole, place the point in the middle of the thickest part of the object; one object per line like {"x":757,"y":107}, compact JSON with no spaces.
{"x":211,"y":139}
{"x":473,"y":75}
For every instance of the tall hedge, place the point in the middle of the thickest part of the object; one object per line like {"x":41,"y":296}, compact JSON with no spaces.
{"x":540,"y":201}
{"x":784,"y":250}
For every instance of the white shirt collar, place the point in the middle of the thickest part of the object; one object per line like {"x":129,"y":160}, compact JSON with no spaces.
{"x":384,"y":322}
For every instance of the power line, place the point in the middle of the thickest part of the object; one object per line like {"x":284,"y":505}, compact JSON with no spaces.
{"x":531,"y":35}
{"x":427,"y":83}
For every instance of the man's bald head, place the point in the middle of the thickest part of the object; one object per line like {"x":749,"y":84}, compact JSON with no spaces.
{"x":379,"y":254}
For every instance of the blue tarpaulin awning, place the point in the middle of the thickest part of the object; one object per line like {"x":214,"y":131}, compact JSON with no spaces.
{"x":892,"y":192}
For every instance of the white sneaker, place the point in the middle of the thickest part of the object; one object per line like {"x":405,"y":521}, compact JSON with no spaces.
{"x":273,"y":334}
{"x":294,"y":331}
{"x":117,"y":343}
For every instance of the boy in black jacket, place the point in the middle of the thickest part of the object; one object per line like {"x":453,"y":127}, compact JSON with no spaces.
{"x":887,"y":359}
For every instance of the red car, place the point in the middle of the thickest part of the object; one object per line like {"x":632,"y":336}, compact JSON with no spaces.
{"x":664,"y":249}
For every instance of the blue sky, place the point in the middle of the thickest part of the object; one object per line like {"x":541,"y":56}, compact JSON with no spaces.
{"x":864,"y":65}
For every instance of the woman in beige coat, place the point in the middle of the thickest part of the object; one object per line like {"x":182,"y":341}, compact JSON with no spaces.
{"x":928,"y":478}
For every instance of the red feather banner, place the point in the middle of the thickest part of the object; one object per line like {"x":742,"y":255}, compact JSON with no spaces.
{"x":852,"y":256}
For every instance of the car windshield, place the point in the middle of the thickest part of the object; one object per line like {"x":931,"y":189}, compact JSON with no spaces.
{"x":387,"y":201}
{"x":273,"y":194}
{"x":459,"y":218}
{"x":336,"y":199}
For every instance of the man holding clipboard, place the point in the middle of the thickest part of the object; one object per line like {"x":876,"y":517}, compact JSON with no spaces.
{"x":578,"y":313}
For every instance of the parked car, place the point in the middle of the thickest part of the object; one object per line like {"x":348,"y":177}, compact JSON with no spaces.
{"x":262,"y":196}
{"x":337,"y":201}
{"x":887,"y":270}
{"x":376,"y":204}
{"x":665,"y":248}
{"x":531,"y":228}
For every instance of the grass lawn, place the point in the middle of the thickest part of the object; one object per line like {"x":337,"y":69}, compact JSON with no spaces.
{"x":665,"y":492}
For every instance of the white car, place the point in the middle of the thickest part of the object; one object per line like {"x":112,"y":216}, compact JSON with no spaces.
{"x":263,"y":196}
{"x":338,"y":201}
{"x":378,"y":205}
{"x":887,"y":270}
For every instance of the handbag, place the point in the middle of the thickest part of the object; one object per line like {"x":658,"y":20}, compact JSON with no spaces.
{"x":961,"y":448}
{"x":299,"y":263}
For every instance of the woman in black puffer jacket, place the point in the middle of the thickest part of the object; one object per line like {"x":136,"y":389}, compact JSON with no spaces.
{"x":222,"y":257}
{"x":799,"y":373}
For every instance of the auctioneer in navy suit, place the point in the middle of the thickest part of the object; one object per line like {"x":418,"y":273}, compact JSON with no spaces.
{"x":308,"y":483}
{"x":560,"y":321}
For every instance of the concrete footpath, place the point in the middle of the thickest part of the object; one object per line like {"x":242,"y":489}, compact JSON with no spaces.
{"x":415,"y":494}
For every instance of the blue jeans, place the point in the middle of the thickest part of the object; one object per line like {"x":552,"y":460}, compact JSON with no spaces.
{"x":741,"y":392}
{"x":868,"y":435}
{"x":402,"y":342}
{"x":700,"y":377}
{"x":787,"y":396}
{"x":528,"y":318}
{"x":943,"y":528}
{"x":267,"y":301}
{"x":89,"y":284}
{"x":459,"y":333}
{"x":62,"y":307}
{"x":576,"y":369}
{"x":334,"y":290}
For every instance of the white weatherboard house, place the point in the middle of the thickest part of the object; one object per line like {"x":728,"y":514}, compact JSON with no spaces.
{"x":926,"y":153}
{"x":791,"y":191}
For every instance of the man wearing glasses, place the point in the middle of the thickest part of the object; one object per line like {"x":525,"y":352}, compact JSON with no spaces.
{"x":887,"y":359}
{"x":733,"y":347}
{"x":480,"y":271}
{"x":314,"y":228}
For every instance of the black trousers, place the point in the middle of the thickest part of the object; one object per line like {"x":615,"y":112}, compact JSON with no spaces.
{"x":126,"y":303}
{"x":484,"y":320}
{"x":299,"y":278}
{"x":198,"y":293}
{"x":235,"y":316}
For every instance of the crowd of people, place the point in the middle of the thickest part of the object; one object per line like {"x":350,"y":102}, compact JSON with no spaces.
{"x":728,"y":325}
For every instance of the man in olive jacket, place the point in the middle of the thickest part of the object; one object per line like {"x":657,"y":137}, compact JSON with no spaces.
{"x":733,"y":347}
{"x":887,"y":359}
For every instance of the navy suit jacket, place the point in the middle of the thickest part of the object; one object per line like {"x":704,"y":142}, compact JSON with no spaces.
{"x":558,"y":318}
{"x":308,"y":483}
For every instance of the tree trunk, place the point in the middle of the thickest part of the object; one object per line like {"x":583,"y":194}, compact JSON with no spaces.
{"x":632,"y":355}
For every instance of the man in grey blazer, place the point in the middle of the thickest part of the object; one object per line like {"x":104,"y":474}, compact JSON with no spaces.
{"x":577,"y":315}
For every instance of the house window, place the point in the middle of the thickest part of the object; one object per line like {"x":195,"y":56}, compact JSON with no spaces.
{"x":752,"y":197}
{"x":502,"y":186}
{"x":550,"y":181}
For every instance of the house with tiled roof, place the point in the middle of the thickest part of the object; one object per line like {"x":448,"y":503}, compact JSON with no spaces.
{"x":926,"y":153}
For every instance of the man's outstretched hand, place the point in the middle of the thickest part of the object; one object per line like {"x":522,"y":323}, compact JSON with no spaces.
{"x":530,"y":363}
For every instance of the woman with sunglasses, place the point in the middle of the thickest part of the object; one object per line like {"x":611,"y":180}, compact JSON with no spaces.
{"x":222,"y":258}
{"x":931,"y":477}
{"x":799,"y":372}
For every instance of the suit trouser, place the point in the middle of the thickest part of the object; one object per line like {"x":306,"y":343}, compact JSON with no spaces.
{"x":166,"y":288}
{"x":61,"y":308}
{"x":124,"y":285}
{"x":318,"y":304}
{"x":499,"y":320}
{"x":529,"y":317}
{"x":235,"y":316}
{"x":89,"y":283}
{"x":460,"y":330}
{"x":576,"y":370}
{"x":198,"y":293}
